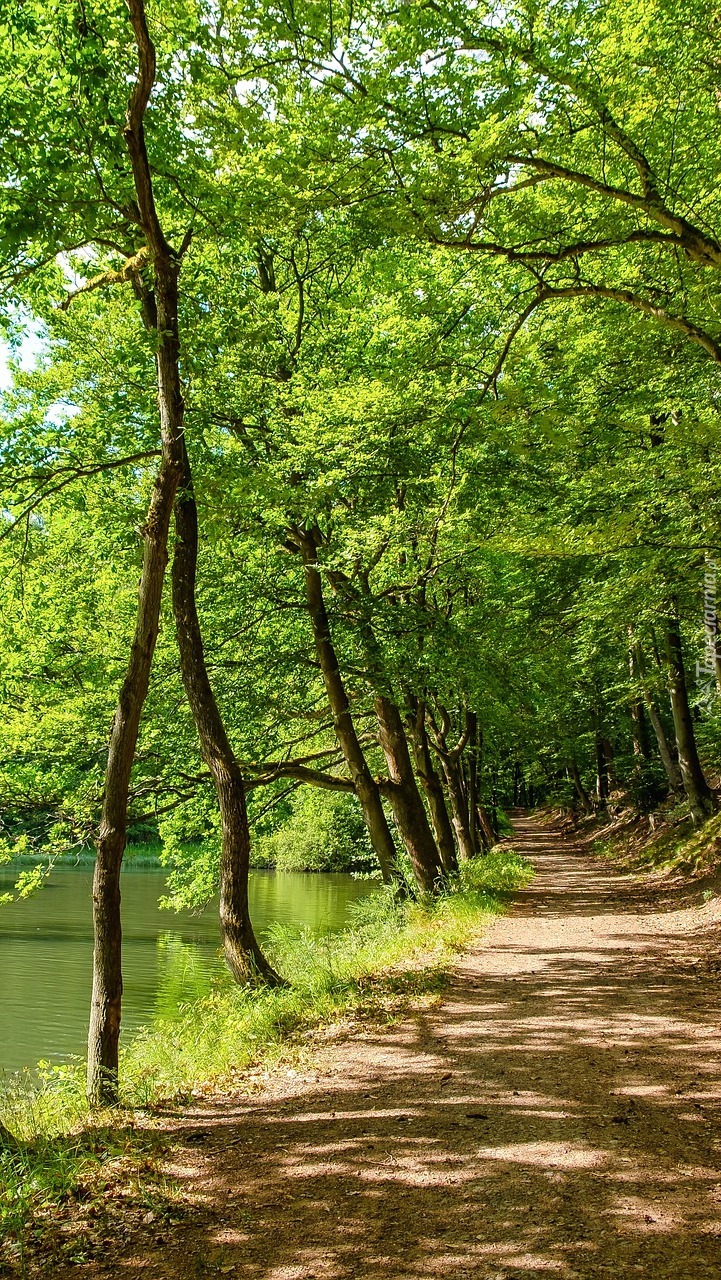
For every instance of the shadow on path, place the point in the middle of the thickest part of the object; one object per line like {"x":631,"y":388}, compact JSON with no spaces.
{"x":556,"y":1117}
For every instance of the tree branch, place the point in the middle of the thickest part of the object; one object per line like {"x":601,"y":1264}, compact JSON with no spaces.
{"x":80,"y":472}
{"x":313,"y":777}
{"x":134,"y":131}
{"x":132,"y":267}
{"x":577,"y":250}
{"x":629,"y":299}
{"x":703,"y":249}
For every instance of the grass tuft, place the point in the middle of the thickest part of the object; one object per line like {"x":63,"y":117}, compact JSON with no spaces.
{"x":388,"y":954}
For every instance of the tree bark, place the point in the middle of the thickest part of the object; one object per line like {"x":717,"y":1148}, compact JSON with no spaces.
{"x":474,"y":771}
{"x":517,"y":776}
{"x":489,"y":834}
{"x":432,"y":786}
{"x":698,"y":793}
{"x":459,"y":806}
{"x":106,"y":1001}
{"x":243,"y":955}
{"x":402,"y":790}
{"x":580,"y":789}
{"x":405,"y":798}
{"x":641,"y":743}
{"x":602,"y":778}
{"x":668,"y":759}
{"x":366,"y":787}
{"x":670,"y":764}
{"x":453,"y":778}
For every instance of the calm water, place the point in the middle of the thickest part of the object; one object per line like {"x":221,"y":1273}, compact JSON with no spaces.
{"x":169,"y":958}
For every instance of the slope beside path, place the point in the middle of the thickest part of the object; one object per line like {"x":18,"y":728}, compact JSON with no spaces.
{"x":556,"y":1117}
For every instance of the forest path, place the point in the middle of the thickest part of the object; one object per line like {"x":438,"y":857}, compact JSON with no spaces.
{"x":556,"y":1116}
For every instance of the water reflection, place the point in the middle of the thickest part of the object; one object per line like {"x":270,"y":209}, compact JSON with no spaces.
{"x":169,"y":959}
{"x":182,"y":974}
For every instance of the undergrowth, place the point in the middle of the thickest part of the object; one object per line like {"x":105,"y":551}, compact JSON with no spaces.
{"x":389,"y":953}
{"x":147,"y":854}
{"x":673,"y":847}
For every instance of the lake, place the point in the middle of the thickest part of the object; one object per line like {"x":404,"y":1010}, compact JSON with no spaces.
{"x":170,"y":958}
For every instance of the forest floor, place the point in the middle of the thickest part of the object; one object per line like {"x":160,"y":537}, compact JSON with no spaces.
{"x":556,"y":1115}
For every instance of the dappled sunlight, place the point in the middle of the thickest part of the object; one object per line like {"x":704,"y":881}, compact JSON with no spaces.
{"x":549,"y":1155}
{"x":644,"y":1216}
{"x":556,"y":1116}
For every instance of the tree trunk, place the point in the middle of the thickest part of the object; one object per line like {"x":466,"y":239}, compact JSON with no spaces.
{"x":104,"y":1032}
{"x":432,"y":786}
{"x":366,"y":787}
{"x":450,"y":758}
{"x":602,"y":780}
{"x":668,"y":759}
{"x":459,"y":806}
{"x":610,"y":765}
{"x":162,"y":310}
{"x":517,"y":778}
{"x":698,"y":793}
{"x":489,"y":834}
{"x":670,"y":764}
{"x":641,"y":743}
{"x":580,"y":789}
{"x":243,"y":955}
{"x":402,"y":791}
{"x":405,"y":798}
{"x":474,"y":770}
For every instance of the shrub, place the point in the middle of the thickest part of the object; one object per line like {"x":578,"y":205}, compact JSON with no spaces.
{"x":325,"y":832}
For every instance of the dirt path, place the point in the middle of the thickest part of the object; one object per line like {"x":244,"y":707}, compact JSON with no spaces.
{"x":557,"y":1116}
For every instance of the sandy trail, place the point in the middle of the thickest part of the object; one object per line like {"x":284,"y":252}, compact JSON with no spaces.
{"x":557,"y":1116}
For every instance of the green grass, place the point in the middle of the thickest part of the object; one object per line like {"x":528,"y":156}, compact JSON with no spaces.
{"x":390,"y":953}
{"x":136,"y":855}
{"x":388,"y":950}
{"x":143,"y":855}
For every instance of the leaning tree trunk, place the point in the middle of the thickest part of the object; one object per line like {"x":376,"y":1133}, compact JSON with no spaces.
{"x":104,"y":1031}
{"x":402,"y":789}
{"x":432,"y":786}
{"x":243,"y":955}
{"x":405,"y":798}
{"x":365,"y":785}
{"x":668,"y":760}
{"x":105,"y":1010}
{"x":489,"y":834}
{"x":670,"y":764}
{"x":698,"y":793}
{"x":450,"y":759}
{"x":459,"y":807}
